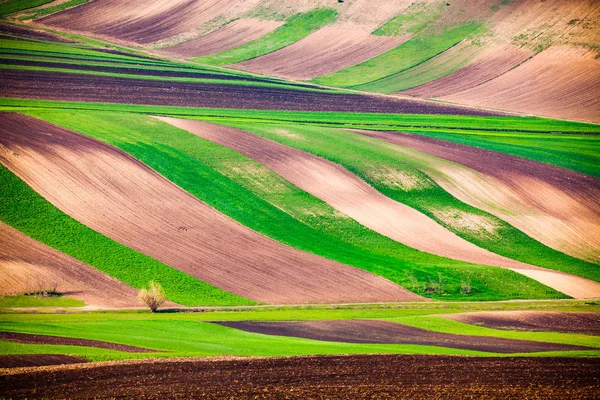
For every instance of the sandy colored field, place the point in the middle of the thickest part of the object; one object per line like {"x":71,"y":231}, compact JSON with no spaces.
{"x":537,"y":321}
{"x":386,"y":332}
{"x":561,"y":82}
{"x":116,"y":195}
{"x":138,"y":20}
{"x":329,"y":49}
{"x":231,"y":35}
{"x":67,"y":341}
{"x":347,"y":193}
{"x":28,"y":265}
{"x":324,"y":377}
{"x":556,"y":206}
{"x":490,"y":64}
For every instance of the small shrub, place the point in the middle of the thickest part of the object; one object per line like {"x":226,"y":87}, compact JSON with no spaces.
{"x":154,"y":296}
{"x":465,"y":286}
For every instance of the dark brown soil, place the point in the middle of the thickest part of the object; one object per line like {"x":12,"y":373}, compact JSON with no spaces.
{"x":31,"y":34}
{"x":384,"y":332}
{"x":66,"y":341}
{"x":37,"y":360}
{"x":585,"y":323}
{"x":76,"y":87}
{"x":325,"y":377}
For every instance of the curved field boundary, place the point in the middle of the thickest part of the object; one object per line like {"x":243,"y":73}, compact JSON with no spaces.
{"x":561,"y":82}
{"x":385,"y":332}
{"x":533,"y":321}
{"x":558,"y":207}
{"x":328,"y":50}
{"x":138,"y":21}
{"x":67,"y":341}
{"x":28,"y":265}
{"x":487,"y":66}
{"x":37,"y":360}
{"x":232,"y":35}
{"x":125,"y":200}
{"x":352,"y":196}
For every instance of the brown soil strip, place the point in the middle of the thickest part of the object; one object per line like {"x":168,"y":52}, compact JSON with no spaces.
{"x":347,"y":193}
{"x":327,"y":50}
{"x":104,"y":89}
{"x":231,"y":35}
{"x":116,"y":195}
{"x":37,"y":360}
{"x":28,"y":265}
{"x":66,"y":341}
{"x":491,"y":64}
{"x":556,"y":206}
{"x":138,"y":20}
{"x":536,"y":321}
{"x":561,"y":82}
{"x":385,"y":332}
{"x":31,"y":33}
{"x":331,"y":377}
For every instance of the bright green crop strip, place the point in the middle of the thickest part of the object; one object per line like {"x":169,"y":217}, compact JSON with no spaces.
{"x":33,"y":14}
{"x":415,"y":51}
{"x":38,"y":301}
{"x":378,"y":162}
{"x":296,"y":28}
{"x":263,"y":201}
{"x":23,"y":209}
{"x":12,"y":6}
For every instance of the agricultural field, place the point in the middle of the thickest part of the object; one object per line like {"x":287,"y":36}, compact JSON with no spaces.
{"x":314,"y":199}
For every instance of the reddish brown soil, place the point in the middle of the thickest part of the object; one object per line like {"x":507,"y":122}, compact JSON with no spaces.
{"x":75,"y":87}
{"x":28,"y":265}
{"x":324,"y":377}
{"x":327,"y":50}
{"x":116,"y":195}
{"x":231,"y":35}
{"x":384,"y":332}
{"x":138,"y":20}
{"x":66,"y":341}
{"x":491,"y":64}
{"x":556,"y":206}
{"x":37,"y":360}
{"x":536,"y":321}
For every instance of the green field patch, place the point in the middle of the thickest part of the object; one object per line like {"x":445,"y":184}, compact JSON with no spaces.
{"x":12,"y":6}
{"x":414,"y":19}
{"x":27,"y":211}
{"x":401,"y":177}
{"x":33,"y":14}
{"x":296,"y":27}
{"x":28,"y":301}
{"x":413,"y":52}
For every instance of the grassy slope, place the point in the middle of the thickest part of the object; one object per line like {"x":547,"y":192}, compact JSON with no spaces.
{"x":25,"y":210}
{"x":51,"y":10}
{"x":369,"y":159}
{"x":413,"y":52}
{"x":296,"y":28}
{"x":263,"y":201}
{"x":12,"y":6}
{"x":39,"y":301}
{"x":572,"y":145}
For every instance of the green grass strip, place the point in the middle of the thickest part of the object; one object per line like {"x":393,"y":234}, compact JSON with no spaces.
{"x":24,"y":209}
{"x":373,"y":160}
{"x":39,"y":301}
{"x":33,"y":14}
{"x":413,"y":52}
{"x":296,"y":28}
{"x":12,"y":6}
{"x":262,"y":200}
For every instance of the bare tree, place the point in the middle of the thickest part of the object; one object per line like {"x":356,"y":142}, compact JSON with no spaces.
{"x":154,"y":296}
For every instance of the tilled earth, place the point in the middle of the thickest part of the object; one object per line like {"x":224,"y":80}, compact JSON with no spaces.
{"x":93,"y":88}
{"x":323,"y":377}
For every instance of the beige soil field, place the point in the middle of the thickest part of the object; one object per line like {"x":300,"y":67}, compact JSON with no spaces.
{"x":558,"y":207}
{"x":116,"y":195}
{"x":536,"y":321}
{"x":231,"y":35}
{"x":28,"y":265}
{"x":329,"y":49}
{"x":561,"y":82}
{"x":490,"y":64}
{"x":355,"y":198}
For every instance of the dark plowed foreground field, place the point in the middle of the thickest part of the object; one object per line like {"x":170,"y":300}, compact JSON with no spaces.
{"x":64,"y":86}
{"x":336,"y":377}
